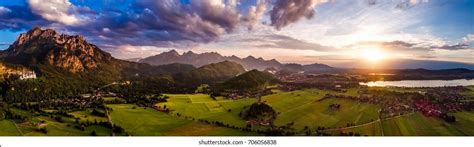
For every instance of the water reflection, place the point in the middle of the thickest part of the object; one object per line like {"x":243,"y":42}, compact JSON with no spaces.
{"x":420,"y":83}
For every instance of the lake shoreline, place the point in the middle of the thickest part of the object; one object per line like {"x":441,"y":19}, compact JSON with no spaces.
{"x":420,"y":83}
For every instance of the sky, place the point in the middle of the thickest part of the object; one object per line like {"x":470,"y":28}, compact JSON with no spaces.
{"x":334,"y":32}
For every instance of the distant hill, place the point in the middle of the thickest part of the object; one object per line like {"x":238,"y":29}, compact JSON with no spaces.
{"x":199,"y":60}
{"x":210,"y":73}
{"x":251,"y":80}
{"x":309,"y":68}
{"x":317,"y":67}
{"x":133,"y":59}
{"x":293,"y":67}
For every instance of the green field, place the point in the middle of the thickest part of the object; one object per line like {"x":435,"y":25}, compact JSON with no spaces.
{"x":56,"y":128}
{"x":470,"y":91}
{"x":149,"y":122}
{"x":303,"y":109}
{"x":418,"y":125}
{"x":87,"y":116}
{"x":200,"y":106}
{"x":297,"y":109}
{"x":111,"y":99}
{"x":53,"y":127}
{"x":8,"y":128}
{"x":300,"y":107}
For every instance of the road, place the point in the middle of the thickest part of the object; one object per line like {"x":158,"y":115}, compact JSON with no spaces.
{"x":110,"y":120}
{"x":106,"y":110}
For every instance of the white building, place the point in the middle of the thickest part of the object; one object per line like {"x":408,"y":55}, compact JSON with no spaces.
{"x":27,"y":75}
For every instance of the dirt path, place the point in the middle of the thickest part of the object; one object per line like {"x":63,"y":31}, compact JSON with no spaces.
{"x":110,"y":120}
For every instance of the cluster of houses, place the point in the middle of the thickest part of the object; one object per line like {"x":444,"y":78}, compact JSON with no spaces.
{"x":429,"y":108}
{"x":261,"y":122}
{"x":391,"y":106}
{"x":449,"y":100}
{"x":237,"y":94}
{"x":74,"y":103}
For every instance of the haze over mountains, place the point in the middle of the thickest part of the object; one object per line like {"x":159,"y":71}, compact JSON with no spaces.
{"x":199,"y":60}
{"x":251,"y":62}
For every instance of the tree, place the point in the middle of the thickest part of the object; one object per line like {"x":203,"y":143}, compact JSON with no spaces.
{"x":93,"y":133}
{"x":44,"y":130}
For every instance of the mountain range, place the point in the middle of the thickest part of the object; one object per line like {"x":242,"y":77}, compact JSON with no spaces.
{"x":199,"y":60}
{"x":249,"y":63}
{"x":70,"y":58}
{"x":49,"y":52}
{"x":69,"y":65}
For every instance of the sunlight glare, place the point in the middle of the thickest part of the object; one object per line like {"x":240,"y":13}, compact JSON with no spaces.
{"x":373,"y":54}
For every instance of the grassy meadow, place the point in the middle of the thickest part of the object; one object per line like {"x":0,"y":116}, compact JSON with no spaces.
{"x":87,"y":116}
{"x":8,"y":128}
{"x":139,"y":121}
{"x":201,"y":106}
{"x":304,"y":109}
{"x":298,"y":109}
{"x":417,"y":125}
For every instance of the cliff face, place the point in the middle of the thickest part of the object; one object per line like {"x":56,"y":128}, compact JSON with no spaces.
{"x":71,"y":53}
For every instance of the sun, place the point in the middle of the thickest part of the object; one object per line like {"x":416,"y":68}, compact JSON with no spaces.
{"x":373,"y":54}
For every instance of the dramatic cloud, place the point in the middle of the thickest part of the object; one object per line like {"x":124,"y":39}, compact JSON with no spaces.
{"x":218,"y":13}
{"x":400,"y":4}
{"x":54,"y":10}
{"x":143,"y":27}
{"x":157,"y":23}
{"x":4,"y":10}
{"x":407,"y":46}
{"x":398,"y":44}
{"x":458,"y":46}
{"x":284,"y":42}
{"x":255,"y":13}
{"x":390,"y":45}
{"x":285,"y":12}
{"x":15,"y":18}
{"x":405,"y":4}
{"x":233,"y":3}
{"x":469,"y":38}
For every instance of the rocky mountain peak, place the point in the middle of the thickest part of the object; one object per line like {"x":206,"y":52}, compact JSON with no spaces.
{"x":189,"y":53}
{"x":250,"y":58}
{"x":172,"y":52}
{"x":46,"y":46}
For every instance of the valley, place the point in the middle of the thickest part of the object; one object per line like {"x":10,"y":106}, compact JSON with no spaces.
{"x":79,"y":90}
{"x":300,"y":112}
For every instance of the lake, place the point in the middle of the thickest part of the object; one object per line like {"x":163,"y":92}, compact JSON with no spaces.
{"x":419,"y":83}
